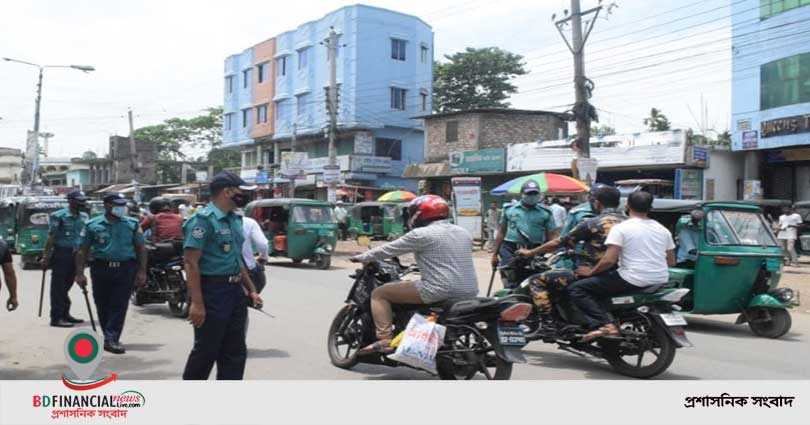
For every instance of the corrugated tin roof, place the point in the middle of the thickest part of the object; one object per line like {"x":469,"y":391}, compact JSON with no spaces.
{"x":436,"y":169}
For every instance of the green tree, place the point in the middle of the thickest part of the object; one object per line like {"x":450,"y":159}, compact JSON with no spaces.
{"x":602,"y":130}
{"x":89,"y":156}
{"x":657,"y":121}
{"x":476,"y":78}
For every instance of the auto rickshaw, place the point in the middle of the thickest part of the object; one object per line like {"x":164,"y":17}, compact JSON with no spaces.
{"x":32,"y":226}
{"x":298,"y":229}
{"x":803,"y":245}
{"x":738,"y":266}
{"x":8,"y":220}
{"x":377,"y":220}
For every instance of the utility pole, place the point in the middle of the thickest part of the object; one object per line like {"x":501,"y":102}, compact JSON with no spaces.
{"x":332,"y":46}
{"x":294,"y":148}
{"x":133,"y":152}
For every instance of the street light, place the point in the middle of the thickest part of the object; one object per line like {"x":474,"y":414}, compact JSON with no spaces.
{"x":83,"y":68}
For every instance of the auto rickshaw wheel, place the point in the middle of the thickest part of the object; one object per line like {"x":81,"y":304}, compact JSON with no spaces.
{"x":322,"y":262}
{"x":297,"y":260}
{"x":760,"y":324}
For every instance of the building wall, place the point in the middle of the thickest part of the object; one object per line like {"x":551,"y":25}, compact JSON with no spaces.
{"x":120,"y":154}
{"x":757,"y":42}
{"x":10,"y":165}
{"x":263,"y":93}
{"x":438,"y":149}
{"x":725,"y":169}
{"x":239,"y":98}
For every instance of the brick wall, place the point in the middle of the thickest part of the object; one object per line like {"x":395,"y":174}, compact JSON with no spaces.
{"x":436,"y":133}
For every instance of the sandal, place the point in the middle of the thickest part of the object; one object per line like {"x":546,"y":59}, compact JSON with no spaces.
{"x":608,"y":330}
{"x":382,"y":346}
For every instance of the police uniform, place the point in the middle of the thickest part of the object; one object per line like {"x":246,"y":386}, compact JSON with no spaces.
{"x":522,"y":222}
{"x":66,"y":231}
{"x":113,"y":266}
{"x":221,"y":338}
{"x":575,"y":216}
{"x":589,"y":236}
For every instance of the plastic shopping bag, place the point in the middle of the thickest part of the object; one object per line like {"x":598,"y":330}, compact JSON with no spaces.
{"x":420,"y":343}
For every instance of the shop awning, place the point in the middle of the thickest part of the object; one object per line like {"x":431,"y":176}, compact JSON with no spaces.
{"x":115,"y":188}
{"x":436,"y":169}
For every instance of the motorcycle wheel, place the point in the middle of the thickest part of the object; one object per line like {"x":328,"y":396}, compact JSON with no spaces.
{"x":465,"y":365}
{"x":341,"y":338}
{"x":322,"y":262}
{"x":179,"y":308}
{"x":628,"y":358}
{"x":778,"y":325}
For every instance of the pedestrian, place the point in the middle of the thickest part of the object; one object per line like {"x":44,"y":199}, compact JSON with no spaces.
{"x":340,"y":216}
{"x":163,"y":224}
{"x":789,"y":221}
{"x":255,"y":242}
{"x":493,"y":221}
{"x":525,"y":225}
{"x":9,"y":275}
{"x":65,"y":229}
{"x":559,"y":212}
{"x":115,"y":243}
{"x":217,"y":280}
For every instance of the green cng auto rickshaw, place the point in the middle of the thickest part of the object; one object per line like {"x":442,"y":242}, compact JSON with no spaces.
{"x":32,"y":226}
{"x":8,"y":220}
{"x":298,"y":229}
{"x":377,"y":220}
{"x":803,"y":244}
{"x":738,"y":266}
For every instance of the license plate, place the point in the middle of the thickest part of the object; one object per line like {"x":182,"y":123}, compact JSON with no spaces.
{"x":673,"y":319}
{"x":511,"y":336}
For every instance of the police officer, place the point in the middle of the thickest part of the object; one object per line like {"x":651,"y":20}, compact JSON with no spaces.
{"x":114,"y":244}
{"x":64,"y":236}
{"x":217,"y":282}
{"x":527,"y":223}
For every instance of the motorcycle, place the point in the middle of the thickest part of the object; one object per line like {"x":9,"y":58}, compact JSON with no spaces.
{"x":165,"y":281}
{"x":649,"y":322}
{"x":483,"y":334}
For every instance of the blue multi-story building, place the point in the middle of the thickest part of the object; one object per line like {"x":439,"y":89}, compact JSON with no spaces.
{"x":771,"y":95}
{"x":275,"y":95}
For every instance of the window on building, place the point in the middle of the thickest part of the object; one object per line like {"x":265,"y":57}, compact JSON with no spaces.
{"x":261,"y":72}
{"x":451,"y":131}
{"x":388,"y":147}
{"x":784,"y":82}
{"x":281,"y":66}
{"x":768,"y":8}
{"x":245,"y":78}
{"x":261,"y":114}
{"x":398,"y":49}
{"x":423,"y":100}
{"x":245,"y":117}
{"x":424,"y":54}
{"x":398,"y":98}
{"x":302,"y":101}
{"x":229,"y":83}
{"x":228,"y":121}
{"x":282,"y":112}
{"x":303,"y":58}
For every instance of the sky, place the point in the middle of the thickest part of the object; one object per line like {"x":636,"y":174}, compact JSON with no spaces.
{"x":164,"y":58}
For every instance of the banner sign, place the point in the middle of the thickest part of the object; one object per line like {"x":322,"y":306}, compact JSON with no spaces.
{"x":371,"y":164}
{"x":688,"y":184}
{"x":293,"y":164}
{"x":750,"y":140}
{"x":481,"y":161}
{"x":467,"y":202}
{"x":331,"y":174}
{"x":364,"y":143}
{"x":785,"y":126}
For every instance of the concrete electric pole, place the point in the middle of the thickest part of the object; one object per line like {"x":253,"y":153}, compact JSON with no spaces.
{"x":332,"y":46}
{"x":133,"y":152}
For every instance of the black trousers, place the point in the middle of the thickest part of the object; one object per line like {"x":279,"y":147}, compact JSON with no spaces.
{"x":63,"y":273}
{"x":221,"y":338}
{"x":112,"y":287}
{"x":586,"y":293}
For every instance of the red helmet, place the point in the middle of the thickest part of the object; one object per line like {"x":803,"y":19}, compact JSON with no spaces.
{"x":427,"y":208}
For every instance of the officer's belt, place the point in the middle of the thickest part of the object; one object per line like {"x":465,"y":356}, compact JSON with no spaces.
{"x":224,"y":278}
{"x":110,"y":264}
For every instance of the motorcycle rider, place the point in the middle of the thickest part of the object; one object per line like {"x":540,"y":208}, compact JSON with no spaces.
{"x":443,"y":253}
{"x":165,"y":225}
{"x":591,"y":232}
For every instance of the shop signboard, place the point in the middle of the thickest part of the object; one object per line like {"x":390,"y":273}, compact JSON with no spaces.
{"x":371,"y":164}
{"x":480,"y":161}
{"x":700,"y":156}
{"x":788,"y":155}
{"x":316,"y":165}
{"x":467,"y":203}
{"x":363,"y":143}
{"x":750,"y":139}
{"x":293,"y":164}
{"x":688,"y":184}
{"x":752,"y":190}
{"x":628,"y":150}
{"x":331,"y":174}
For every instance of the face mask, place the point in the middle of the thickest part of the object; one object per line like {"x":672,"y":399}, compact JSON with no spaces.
{"x":239,"y":199}
{"x":119,"y":212}
{"x":531,"y":200}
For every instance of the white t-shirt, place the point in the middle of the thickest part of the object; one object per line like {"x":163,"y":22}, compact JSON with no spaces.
{"x":559,"y":213}
{"x":644,"y":242}
{"x":785,"y":232}
{"x":254,"y":240}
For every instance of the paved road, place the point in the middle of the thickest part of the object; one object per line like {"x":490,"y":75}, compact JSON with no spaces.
{"x":292,"y":346}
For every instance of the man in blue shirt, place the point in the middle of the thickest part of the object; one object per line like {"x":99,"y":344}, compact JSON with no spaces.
{"x":217,"y":282}
{"x":65,"y":229}
{"x":114,"y":244}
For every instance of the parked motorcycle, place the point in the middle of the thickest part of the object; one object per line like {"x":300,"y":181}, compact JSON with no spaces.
{"x":650,"y":326}
{"x":165,"y":281}
{"x":483,"y":334}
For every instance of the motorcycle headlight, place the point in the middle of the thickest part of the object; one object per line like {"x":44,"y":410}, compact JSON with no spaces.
{"x":328,"y":247}
{"x":783,"y":294}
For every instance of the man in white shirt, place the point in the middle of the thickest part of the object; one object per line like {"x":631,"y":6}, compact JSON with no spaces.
{"x":255,"y":241}
{"x":340,"y":216}
{"x":789,"y":222}
{"x":644,"y":250}
{"x":560,"y":214}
